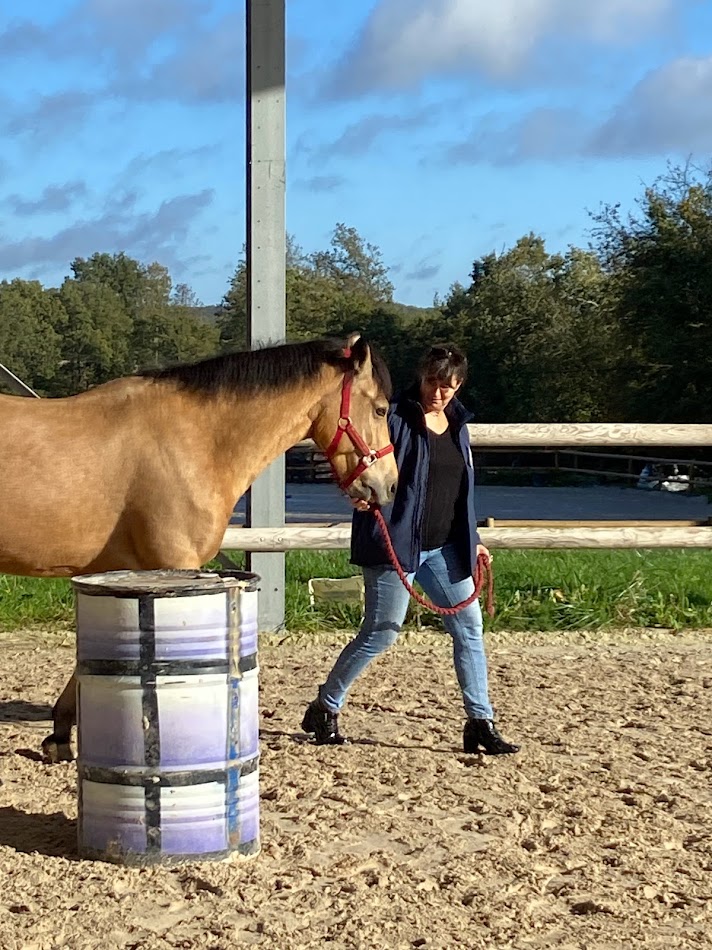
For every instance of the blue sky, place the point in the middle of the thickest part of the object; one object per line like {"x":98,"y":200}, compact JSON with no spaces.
{"x":440,"y":129}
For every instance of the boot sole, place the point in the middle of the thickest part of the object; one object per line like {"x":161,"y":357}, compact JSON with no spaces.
{"x":481,"y":749}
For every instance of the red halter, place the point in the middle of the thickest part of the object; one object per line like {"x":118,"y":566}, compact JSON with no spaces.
{"x":346,"y":426}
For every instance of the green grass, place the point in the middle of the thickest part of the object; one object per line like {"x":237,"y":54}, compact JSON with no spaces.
{"x":574,"y":590}
{"x":534,"y":590}
{"x":31,"y":601}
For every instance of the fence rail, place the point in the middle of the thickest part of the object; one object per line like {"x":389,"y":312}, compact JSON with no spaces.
{"x":565,"y":434}
{"x":552,"y":434}
{"x":332,"y":537}
{"x":337,"y":536}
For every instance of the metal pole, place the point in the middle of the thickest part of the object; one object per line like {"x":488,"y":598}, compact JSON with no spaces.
{"x":266,"y":260}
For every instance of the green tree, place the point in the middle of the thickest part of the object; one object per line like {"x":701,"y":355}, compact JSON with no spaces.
{"x":311,"y":296}
{"x":232,"y":315}
{"x":354,"y":270}
{"x":184,"y":296}
{"x":309,"y":301}
{"x":31,"y":320}
{"x":326,"y":291}
{"x":151,"y":301}
{"x":124,"y":275}
{"x":354,"y":265}
{"x":156,"y":325}
{"x":400,"y":337}
{"x":176,"y":335}
{"x":660,"y":266}
{"x":96,"y":335}
{"x":538,"y":334}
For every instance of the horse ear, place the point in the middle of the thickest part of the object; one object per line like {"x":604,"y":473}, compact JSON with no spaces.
{"x":360,"y":352}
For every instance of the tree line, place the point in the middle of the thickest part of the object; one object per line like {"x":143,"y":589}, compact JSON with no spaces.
{"x":618,"y":331}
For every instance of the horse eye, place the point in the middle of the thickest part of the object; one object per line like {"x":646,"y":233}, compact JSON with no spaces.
{"x":381,"y":411}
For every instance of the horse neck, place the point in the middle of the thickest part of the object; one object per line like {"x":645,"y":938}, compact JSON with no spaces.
{"x":253,"y":430}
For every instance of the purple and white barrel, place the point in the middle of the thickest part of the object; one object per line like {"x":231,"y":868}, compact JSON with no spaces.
{"x":167,"y":716}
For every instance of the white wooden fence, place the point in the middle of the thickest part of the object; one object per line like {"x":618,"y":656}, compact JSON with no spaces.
{"x":546,"y":535}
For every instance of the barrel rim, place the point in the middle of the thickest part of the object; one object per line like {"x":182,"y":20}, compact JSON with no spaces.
{"x":167,"y":583}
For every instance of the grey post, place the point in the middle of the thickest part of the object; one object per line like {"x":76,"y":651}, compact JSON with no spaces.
{"x":266,"y":259}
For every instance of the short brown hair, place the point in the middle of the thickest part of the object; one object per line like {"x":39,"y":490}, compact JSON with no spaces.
{"x":442,"y":362}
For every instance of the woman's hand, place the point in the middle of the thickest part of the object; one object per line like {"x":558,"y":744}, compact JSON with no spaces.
{"x":359,"y":504}
{"x":481,"y":549}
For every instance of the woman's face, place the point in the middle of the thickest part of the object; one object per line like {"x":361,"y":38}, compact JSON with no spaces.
{"x":435,"y":394}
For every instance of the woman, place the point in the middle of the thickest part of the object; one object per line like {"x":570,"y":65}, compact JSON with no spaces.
{"x":433,"y":528}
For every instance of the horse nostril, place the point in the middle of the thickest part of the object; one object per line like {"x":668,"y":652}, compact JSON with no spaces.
{"x":393,"y":487}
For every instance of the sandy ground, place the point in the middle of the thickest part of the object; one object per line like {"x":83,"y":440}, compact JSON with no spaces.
{"x":597,"y":835}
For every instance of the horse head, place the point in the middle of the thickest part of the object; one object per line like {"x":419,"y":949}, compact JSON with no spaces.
{"x":351,"y":427}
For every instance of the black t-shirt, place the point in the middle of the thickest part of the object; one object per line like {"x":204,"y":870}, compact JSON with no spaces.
{"x":447,"y":483}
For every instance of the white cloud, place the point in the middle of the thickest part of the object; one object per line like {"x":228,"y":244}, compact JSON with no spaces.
{"x":405,"y":41}
{"x":207,"y":68}
{"x":359,"y":137}
{"x":424,"y":270}
{"x":542,"y":135}
{"x":146,"y":49}
{"x":146,"y":235}
{"x":321,"y":184}
{"x":54,"y":199}
{"x":670,"y":110}
{"x":51,"y":116}
{"x":668,"y":113}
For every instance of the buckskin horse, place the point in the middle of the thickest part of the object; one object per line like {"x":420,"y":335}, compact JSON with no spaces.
{"x":143,"y":472}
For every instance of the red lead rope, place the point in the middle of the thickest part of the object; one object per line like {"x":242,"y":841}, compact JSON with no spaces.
{"x":482,"y":569}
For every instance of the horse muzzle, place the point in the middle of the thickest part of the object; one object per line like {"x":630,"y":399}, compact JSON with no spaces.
{"x":375,"y":487}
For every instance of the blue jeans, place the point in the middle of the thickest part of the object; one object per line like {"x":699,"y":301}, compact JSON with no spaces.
{"x":446,"y":583}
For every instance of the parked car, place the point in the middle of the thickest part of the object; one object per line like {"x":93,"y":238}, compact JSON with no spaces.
{"x":659,"y":477}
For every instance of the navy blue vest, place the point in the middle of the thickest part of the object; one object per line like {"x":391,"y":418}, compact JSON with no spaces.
{"x":405,"y":516}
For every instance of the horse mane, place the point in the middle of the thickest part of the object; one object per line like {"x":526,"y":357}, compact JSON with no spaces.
{"x":268,"y":368}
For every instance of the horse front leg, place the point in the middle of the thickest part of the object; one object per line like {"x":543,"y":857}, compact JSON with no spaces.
{"x":58,"y":747}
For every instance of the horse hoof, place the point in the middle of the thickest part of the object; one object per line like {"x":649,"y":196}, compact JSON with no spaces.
{"x":54,"y":752}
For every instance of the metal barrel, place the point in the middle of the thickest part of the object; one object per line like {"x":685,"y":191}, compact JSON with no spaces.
{"x":167,"y":716}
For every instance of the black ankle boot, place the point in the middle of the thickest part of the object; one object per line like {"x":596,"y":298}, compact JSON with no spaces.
{"x":323,"y":723}
{"x":480,"y":735}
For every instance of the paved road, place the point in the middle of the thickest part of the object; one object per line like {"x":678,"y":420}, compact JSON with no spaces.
{"x":324,"y":503}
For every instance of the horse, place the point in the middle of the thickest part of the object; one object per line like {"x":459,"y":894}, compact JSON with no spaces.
{"x":143,"y":472}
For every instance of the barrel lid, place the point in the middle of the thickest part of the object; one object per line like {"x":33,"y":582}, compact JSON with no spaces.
{"x":166,"y":583}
